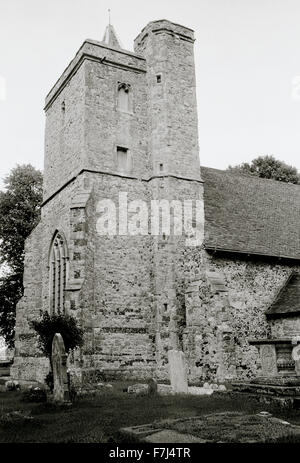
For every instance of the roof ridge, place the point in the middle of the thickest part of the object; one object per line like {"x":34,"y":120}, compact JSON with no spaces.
{"x":246,"y":175}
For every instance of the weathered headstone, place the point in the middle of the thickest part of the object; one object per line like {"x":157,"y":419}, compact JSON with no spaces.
{"x":178,"y":373}
{"x":152,"y":386}
{"x":59,"y":365}
{"x":296,"y":358}
{"x":268,"y":360}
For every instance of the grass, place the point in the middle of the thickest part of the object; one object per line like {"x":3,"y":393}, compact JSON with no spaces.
{"x":99,"y":419}
{"x":234,"y":427}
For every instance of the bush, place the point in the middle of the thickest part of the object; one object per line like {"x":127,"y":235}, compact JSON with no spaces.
{"x":66,"y":325}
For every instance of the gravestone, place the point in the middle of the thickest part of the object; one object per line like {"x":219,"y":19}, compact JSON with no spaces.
{"x":152,"y":386}
{"x":178,"y":373}
{"x":59,"y":366}
{"x":296,"y":358}
{"x":268,"y":359}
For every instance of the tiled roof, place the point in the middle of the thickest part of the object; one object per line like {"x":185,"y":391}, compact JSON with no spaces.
{"x":251,"y":215}
{"x":288,"y":299}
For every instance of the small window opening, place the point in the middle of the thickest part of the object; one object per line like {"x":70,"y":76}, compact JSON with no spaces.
{"x":63,"y":106}
{"x":124,"y":97}
{"x":166,"y":307}
{"x":161,"y":167}
{"x":123,"y":159}
{"x":158,"y":78}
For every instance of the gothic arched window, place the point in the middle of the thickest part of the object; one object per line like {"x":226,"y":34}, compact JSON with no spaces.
{"x":58,"y":272}
{"x":124,"y":98}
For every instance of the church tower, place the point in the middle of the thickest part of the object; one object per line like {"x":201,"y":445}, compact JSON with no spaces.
{"x":174,"y":151}
{"x":117,"y":122}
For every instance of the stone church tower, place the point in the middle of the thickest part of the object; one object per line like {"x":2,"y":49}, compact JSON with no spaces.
{"x":116,"y":122}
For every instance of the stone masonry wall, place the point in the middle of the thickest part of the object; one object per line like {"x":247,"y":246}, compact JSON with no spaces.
{"x":29,"y":362}
{"x":226,"y":306}
{"x":118,"y":324}
{"x":106,"y":126}
{"x":64,"y":135}
{"x":170,"y":260}
{"x":83,"y":122}
{"x":285,"y":327}
{"x":173,"y":136}
{"x":57,"y":215}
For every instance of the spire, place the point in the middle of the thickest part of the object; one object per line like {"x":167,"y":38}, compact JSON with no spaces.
{"x":110,"y":37}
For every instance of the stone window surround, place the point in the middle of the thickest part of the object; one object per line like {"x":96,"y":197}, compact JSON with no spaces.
{"x":127,"y":87}
{"x":130,"y":157}
{"x":58,"y":266}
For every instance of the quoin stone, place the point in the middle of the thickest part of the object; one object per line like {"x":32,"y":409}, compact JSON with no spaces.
{"x":59,"y":368}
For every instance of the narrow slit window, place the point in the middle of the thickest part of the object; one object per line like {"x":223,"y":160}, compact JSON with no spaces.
{"x":158,"y":78}
{"x":124,"y":97}
{"x":122,"y":159}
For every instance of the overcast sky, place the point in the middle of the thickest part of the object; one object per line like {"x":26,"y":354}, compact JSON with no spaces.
{"x":247,"y":57}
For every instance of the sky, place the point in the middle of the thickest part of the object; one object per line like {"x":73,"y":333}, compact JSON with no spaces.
{"x":247,"y":58}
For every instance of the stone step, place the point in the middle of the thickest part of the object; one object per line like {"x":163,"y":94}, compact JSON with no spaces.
{"x":4,"y":371}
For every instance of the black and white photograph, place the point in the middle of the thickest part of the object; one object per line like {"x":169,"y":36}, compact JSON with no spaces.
{"x":150,"y":226}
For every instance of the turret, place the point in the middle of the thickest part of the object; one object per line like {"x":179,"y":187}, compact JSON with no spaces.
{"x":169,"y":51}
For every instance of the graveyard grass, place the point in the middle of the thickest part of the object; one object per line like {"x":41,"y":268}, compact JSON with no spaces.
{"x":98,"y":419}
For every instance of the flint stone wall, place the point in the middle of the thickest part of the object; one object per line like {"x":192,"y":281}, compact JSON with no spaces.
{"x":221,"y":319}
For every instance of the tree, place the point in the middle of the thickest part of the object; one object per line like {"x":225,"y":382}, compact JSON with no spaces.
{"x":11,"y":290}
{"x":19,"y":213}
{"x":268,"y":167}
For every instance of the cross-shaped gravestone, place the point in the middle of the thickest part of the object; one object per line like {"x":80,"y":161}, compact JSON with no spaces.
{"x":59,"y":366}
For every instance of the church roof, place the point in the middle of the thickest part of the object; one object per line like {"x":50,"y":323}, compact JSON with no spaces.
{"x":251,"y":215}
{"x":288,"y":300}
